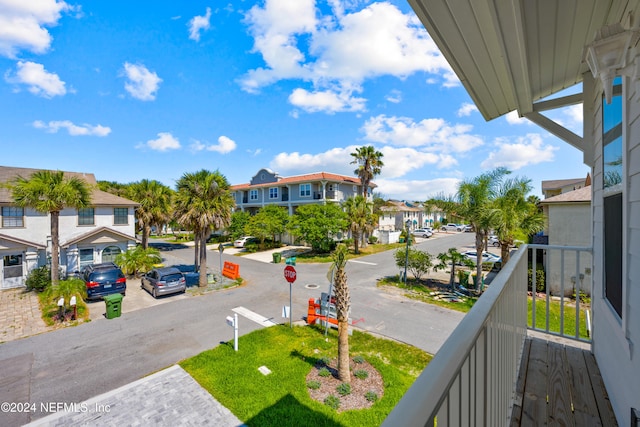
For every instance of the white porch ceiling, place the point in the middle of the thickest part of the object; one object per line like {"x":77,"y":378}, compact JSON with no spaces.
{"x":510,"y":53}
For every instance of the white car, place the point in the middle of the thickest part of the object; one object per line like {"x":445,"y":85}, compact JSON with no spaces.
{"x":243,"y":241}
{"x":452,"y":227}
{"x":493,"y":241}
{"x":422,"y":232}
{"x":487,"y":257}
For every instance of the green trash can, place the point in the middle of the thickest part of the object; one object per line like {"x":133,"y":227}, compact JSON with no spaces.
{"x":114,"y":305}
{"x":277,"y":256}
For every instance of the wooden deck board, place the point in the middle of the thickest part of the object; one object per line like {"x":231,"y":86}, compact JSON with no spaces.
{"x":560,"y":385}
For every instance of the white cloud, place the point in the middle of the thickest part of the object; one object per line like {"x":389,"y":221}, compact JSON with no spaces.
{"x":164,"y":142}
{"x":514,"y":119}
{"x":344,"y":48}
{"x":225,"y":145}
{"x":327,"y":101}
{"x":431,"y":134}
{"x":574,"y":113}
{"x":418,"y":190}
{"x":527,"y":150}
{"x":142,"y":84}
{"x":395,"y":96}
{"x":22,"y":25}
{"x":39,"y":81}
{"x":198,"y":24}
{"x":466,"y":109}
{"x":73,"y":129}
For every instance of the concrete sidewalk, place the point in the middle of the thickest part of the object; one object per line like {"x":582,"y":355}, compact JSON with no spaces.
{"x":169,"y":398}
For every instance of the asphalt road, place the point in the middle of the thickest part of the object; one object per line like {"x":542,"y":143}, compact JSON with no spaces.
{"x":74,"y":364}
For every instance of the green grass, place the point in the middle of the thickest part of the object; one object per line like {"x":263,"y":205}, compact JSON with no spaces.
{"x":370,"y":249}
{"x":554,"y":316}
{"x":420,"y":291}
{"x":258,"y":400}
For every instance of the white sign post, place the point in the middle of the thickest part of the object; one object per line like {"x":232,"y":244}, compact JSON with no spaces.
{"x":233,"y":322}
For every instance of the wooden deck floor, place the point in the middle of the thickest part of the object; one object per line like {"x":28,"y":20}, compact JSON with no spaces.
{"x":560,"y":385}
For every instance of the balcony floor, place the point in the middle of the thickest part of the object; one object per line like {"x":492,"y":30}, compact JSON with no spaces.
{"x":560,"y":385}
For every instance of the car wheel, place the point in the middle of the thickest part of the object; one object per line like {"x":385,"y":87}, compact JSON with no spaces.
{"x":154,"y":293}
{"x":496,"y":244}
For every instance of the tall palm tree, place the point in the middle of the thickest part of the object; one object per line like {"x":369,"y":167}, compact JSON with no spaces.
{"x":360,"y":218}
{"x":513,"y":213}
{"x":203,"y":201}
{"x":343,"y":306}
{"x":155,"y":205}
{"x":370,"y":165}
{"x":50,"y":192}
{"x":474,"y":204}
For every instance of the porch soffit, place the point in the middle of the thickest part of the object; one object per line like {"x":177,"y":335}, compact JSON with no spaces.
{"x":9,"y":242}
{"x":509,"y":54}
{"x":100,"y":235}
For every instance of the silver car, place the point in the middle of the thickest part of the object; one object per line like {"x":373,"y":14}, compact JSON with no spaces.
{"x":164,"y":281}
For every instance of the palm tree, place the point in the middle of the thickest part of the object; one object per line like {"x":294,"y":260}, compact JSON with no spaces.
{"x":203,"y":202}
{"x":474,"y":204}
{"x":452,"y":257}
{"x":370,"y":165}
{"x":155,"y":205}
{"x":360,"y":218}
{"x":343,"y":306}
{"x":514,"y":214}
{"x":50,"y":192}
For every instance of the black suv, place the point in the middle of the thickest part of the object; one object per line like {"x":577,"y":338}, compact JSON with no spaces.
{"x":103,"y":279}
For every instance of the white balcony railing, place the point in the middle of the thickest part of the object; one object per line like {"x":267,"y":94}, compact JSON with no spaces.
{"x":471,"y":380}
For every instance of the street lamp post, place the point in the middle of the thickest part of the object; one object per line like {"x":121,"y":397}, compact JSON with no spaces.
{"x":406,"y":259}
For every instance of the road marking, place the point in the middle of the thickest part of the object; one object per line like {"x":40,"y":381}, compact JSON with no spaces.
{"x":362,"y":262}
{"x":251,"y":315}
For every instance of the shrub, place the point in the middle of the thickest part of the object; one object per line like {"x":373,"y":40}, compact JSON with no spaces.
{"x":344,"y":389}
{"x":540,"y":279}
{"x":39,"y":279}
{"x":138,"y":260}
{"x":332,"y":401}
{"x":313,"y":385}
{"x":324,"y":372}
{"x":324,"y":360}
{"x":348,"y":242}
{"x":358,"y":359}
{"x":373,"y":240}
{"x":371,"y":396}
{"x":361,"y":374}
{"x":419,"y":262}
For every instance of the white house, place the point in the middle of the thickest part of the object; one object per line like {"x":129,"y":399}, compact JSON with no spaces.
{"x":90,"y":235}
{"x":518,"y":55}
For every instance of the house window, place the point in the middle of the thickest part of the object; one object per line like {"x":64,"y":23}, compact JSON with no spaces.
{"x":253,"y":195}
{"x":86,"y":216}
{"x":86,"y":257}
{"x":273,"y":193}
{"x":12,"y":266}
{"x":12,"y":217}
{"x":612,"y":177}
{"x":305,"y":190}
{"x":120,"y":216}
{"x":110,"y":253}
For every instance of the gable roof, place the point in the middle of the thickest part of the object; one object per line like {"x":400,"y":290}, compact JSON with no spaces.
{"x":96,"y":232}
{"x":581,"y":195}
{"x":306,"y":178}
{"x":560,"y":183}
{"x":98,"y":197}
{"x":21,"y":241}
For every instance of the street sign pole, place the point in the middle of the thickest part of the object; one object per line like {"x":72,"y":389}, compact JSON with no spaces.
{"x":290,"y":275}
{"x":290,"y":306}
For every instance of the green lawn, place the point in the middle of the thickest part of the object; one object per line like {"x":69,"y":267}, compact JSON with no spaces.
{"x":282,"y":397}
{"x":370,"y":249}
{"x":554,"y":316}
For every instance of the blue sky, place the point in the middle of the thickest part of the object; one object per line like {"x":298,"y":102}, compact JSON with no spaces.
{"x":133,"y":90}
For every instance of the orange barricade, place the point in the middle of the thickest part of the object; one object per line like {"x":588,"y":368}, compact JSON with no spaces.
{"x":231,"y":270}
{"x":313,"y":313}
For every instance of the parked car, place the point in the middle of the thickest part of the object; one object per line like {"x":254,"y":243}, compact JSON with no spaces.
{"x":487,"y":258}
{"x":452,"y":227}
{"x":493,"y":241}
{"x":103,"y":279}
{"x":422,"y":232}
{"x":467,"y":228}
{"x":164,"y":281}
{"x":244,"y":240}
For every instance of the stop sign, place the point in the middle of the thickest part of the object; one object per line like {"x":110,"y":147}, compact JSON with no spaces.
{"x":290,"y":273}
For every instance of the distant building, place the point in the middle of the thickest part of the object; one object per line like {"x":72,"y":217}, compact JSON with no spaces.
{"x":559,"y":186}
{"x":396,"y":213}
{"x":268,"y":188}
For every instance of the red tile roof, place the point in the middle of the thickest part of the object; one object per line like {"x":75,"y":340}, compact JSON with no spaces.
{"x":311,"y":177}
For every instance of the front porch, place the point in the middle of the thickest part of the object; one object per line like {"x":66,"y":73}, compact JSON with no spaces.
{"x":490,"y":372}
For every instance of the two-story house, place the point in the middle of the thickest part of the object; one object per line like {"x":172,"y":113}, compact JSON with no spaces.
{"x":556,"y":187}
{"x":90,"y":235}
{"x":395,"y":214}
{"x":268,"y":188}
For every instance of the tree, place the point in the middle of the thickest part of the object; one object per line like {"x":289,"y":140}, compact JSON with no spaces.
{"x":203,"y":201}
{"x":419,"y":263}
{"x":343,"y":306}
{"x":360,"y":218}
{"x":317,"y":224}
{"x":514,"y":214}
{"x":138,"y":260}
{"x":452,"y":257}
{"x":270,"y":221}
{"x":239,"y":221}
{"x":155,"y":206}
{"x":370,"y":165}
{"x":115,"y":188}
{"x":475,"y":197}
{"x":50,"y":192}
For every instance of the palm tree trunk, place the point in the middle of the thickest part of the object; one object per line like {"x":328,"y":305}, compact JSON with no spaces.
{"x":196,"y":250}
{"x":504,"y":253}
{"x":203,"y":258}
{"x":452,"y":278}
{"x":356,"y":241}
{"x":146,"y":232}
{"x":55,"y":247}
{"x":479,"y":250}
{"x":344,"y":372}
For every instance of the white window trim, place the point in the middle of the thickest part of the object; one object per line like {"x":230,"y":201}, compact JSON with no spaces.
{"x":307,"y":186}
{"x":252,"y":193}
{"x":273,"y":193}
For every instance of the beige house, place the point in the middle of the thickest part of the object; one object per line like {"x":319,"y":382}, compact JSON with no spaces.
{"x":555,"y":187}
{"x":94,"y":234}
